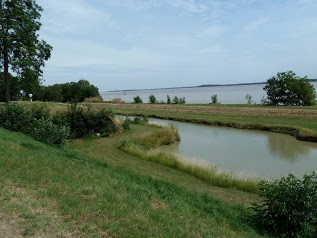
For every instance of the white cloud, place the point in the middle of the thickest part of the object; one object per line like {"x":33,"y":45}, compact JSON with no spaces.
{"x":256,"y":24}
{"x":211,"y":32}
{"x":74,"y":16}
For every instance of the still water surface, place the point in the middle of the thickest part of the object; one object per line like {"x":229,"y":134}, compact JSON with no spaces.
{"x":226,"y":94}
{"x":244,"y":153}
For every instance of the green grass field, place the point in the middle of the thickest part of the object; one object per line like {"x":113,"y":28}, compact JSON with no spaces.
{"x":93,"y":189}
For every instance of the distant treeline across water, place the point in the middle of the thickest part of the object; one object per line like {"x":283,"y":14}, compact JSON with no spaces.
{"x":227,"y":94}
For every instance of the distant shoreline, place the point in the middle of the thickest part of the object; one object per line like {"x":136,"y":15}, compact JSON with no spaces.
{"x":200,"y":86}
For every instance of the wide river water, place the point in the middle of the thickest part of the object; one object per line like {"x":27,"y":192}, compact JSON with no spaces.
{"x":226,"y":94}
{"x":243,"y":153}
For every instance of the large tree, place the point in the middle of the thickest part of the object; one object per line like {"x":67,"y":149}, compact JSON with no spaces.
{"x":21,"y":52}
{"x":288,"y":89}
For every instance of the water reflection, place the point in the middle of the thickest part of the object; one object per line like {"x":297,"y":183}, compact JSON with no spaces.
{"x":289,"y":149}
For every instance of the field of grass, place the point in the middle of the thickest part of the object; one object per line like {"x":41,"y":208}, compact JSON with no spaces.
{"x":93,"y":189}
{"x":299,"y":122}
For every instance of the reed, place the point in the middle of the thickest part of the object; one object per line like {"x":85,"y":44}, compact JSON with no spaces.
{"x":208,"y":173}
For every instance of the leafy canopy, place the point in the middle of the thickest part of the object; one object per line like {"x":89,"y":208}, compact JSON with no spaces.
{"x":288,"y":89}
{"x":20,"y":49}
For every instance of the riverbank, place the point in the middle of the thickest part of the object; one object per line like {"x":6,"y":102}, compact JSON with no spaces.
{"x":299,"y":122}
{"x":92,"y":188}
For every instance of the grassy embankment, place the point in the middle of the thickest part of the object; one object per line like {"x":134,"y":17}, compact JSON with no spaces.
{"x":93,"y":189}
{"x":299,"y":122}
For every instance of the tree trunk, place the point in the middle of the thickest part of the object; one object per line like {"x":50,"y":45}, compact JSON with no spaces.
{"x":6,"y":74}
{"x":5,"y":56}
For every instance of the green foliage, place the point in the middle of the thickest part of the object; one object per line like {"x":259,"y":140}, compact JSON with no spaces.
{"x":15,"y":117}
{"x":70,"y":92}
{"x":177,"y":100}
{"x":168,"y":99}
{"x":152,"y":99}
{"x":36,"y":123}
{"x":14,"y":87}
{"x":214,"y":99}
{"x":46,"y":131}
{"x":140,"y":120}
{"x":288,"y":89}
{"x":137,"y":99}
{"x":20,"y":48}
{"x":85,"y":122}
{"x":39,"y":111}
{"x":289,"y":207}
{"x":248,"y":97}
{"x":126,"y":125}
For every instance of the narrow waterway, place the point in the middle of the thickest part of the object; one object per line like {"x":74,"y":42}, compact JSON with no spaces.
{"x":244,"y":153}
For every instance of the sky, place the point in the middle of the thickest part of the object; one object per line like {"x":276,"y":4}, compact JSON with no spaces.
{"x":142,"y":44}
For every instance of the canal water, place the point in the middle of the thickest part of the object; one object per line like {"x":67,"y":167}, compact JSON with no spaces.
{"x":243,"y":153}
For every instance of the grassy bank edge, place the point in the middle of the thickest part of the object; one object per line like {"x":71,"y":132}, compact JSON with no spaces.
{"x":299,"y":133}
{"x":209,"y":174}
{"x":140,"y":147}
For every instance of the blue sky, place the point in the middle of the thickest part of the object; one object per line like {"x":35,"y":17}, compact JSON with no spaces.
{"x":137,"y":44}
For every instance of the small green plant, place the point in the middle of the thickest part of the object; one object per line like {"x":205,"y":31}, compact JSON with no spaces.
{"x":248,"y":97}
{"x":126,"y":124}
{"x":214,"y":99}
{"x":168,"y":99}
{"x":152,"y":99}
{"x":137,"y":99}
{"x":177,"y":100}
{"x":289,"y":207}
{"x":140,"y":120}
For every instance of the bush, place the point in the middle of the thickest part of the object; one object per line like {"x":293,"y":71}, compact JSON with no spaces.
{"x":36,"y":123}
{"x":177,"y":100}
{"x":214,"y":99}
{"x":46,"y":131}
{"x":85,"y":122}
{"x":39,"y":111}
{"x":117,"y":100}
{"x":140,"y":120}
{"x":126,"y":124}
{"x":248,"y":97}
{"x":137,"y":99}
{"x":152,"y":99}
{"x":289,"y":207}
{"x":15,"y":118}
{"x":168,"y":99}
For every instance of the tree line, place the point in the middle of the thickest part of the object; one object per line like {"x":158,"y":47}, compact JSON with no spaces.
{"x":65,"y":92}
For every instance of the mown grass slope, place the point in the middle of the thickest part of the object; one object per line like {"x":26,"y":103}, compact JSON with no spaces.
{"x":82,"y":191}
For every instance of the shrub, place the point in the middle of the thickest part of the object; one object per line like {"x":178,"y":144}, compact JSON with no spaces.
{"x":46,"y":131}
{"x":126,"y":124}
{"x":137,"y":99}
{"x":117,"y":100}
{"x":152,"y":99}
{"x":177,"y":100}
{"x":93,"y":99}
{"x":214,"y":99}
{"x":248,"y":97}
{"x":84,"y":122}
{"x":15,"y":117}
{"x":36,"y":123}
{"x":289,"y":207}
{"x":140,"y":120}
{"x":39,"y":111}
{"x":168,"y":99}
